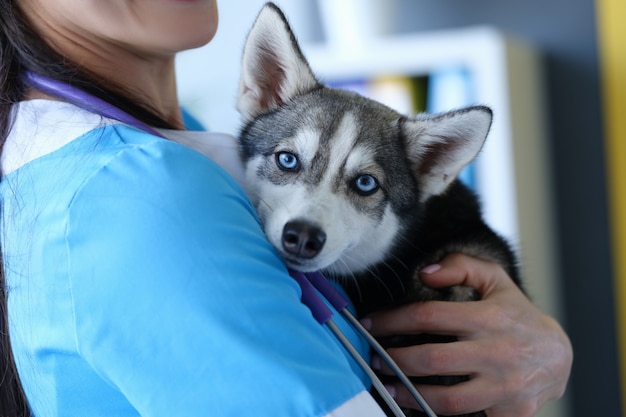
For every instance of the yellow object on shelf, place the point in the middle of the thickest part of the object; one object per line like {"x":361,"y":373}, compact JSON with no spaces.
{"x":612,"y":38}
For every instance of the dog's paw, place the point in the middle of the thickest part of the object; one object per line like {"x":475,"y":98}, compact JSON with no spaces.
{"x":420,"y":292}
{"x":461,"y":293}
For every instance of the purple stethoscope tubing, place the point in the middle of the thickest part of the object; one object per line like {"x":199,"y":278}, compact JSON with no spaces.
{"x":309,"y":282}
{"x":84,"y":100}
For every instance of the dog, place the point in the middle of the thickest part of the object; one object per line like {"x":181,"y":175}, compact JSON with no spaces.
{"x":348,"y":186}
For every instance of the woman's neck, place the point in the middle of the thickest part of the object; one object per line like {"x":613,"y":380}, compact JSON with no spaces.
{"x":147,"y":77}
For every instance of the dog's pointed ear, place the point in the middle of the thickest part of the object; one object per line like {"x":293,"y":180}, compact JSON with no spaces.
{"x":440,"y":146}
{"x":274,"y":69}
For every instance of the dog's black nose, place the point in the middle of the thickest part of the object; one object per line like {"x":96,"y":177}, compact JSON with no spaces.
{"x":303,"y":239}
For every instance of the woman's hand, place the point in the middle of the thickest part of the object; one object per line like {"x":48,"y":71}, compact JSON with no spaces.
{"x":517,"y":357}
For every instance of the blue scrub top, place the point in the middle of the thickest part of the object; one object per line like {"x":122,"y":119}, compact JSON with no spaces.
{"x":141,"y":284}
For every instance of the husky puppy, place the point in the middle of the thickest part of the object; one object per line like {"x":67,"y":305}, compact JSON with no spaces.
{"x":346,"y":185}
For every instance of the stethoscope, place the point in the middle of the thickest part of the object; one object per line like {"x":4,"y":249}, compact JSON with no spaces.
{"x":312,"y":281}
{"x":312,"y":284}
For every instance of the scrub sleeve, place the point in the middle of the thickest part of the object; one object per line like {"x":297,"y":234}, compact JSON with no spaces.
{"x":146,"y":277}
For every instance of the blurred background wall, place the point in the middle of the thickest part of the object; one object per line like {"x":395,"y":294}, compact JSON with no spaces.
{"x":564,"y":33}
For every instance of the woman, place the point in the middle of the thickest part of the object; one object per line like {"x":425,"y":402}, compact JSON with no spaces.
{"x":137,"y":279}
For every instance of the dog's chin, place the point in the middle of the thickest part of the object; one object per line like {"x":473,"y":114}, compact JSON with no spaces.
{"x":302,"y":264}
{"x":333,"y":266}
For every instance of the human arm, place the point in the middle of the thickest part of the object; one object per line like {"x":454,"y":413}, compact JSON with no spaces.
{"x":518,"y":357}
{"x":191,"y":312}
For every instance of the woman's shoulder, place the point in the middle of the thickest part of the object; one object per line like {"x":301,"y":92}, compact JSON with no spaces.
{"x":40,"y":127}
{"x":55,"y":136}
{"x":54,"y":129}
{"x":130,"y":162}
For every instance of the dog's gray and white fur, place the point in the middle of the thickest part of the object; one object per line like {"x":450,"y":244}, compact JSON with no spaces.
{"x":346,"y":185}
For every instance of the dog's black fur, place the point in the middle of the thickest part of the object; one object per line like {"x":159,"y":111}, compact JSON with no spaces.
{"x":445,"y":224}
{"x":449,"y":223}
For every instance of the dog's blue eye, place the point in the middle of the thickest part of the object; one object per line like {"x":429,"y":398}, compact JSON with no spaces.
{"x":287,"y":161}
{"x":366,"y":184}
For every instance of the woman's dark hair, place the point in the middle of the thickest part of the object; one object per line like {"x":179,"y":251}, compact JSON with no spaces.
{"x":22,"y":48}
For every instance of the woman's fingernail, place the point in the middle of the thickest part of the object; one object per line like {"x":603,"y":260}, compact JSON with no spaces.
{"x":367,"y":323}
{"x":431,"y":269}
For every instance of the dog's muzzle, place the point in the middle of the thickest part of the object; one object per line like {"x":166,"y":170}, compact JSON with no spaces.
{"x":303,"y":239}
